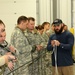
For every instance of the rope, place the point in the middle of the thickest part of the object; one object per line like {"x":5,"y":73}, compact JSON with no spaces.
{"x":55,"y":55}
{"x":35,"y":59}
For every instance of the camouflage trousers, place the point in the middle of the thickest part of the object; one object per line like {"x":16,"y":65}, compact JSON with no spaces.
{"x":21,"y":67}
{"x":38,"y":66}
{"x":48,"y":63}
{"x":4,"y":70}
{"x":21,"y":70}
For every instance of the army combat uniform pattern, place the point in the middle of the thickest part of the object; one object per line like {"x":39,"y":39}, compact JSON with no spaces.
{"x":4,"y":48}
{"x":19,"y":41}
{"x":35,"y":39}
{"x":48,"y":55}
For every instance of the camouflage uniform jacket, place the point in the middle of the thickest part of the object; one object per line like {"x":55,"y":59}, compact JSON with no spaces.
{"x":45,"y":36}
{"x":4,"y":48}
{"x":43,"y":43}
{"x":20,"y":42}
{"x":34,"y":38}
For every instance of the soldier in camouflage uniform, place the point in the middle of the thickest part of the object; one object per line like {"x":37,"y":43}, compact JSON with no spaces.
{"x":40,"y":30}
{"x":46,"y":26}
{"x":51,"y":30}
{"x":37,"y":44}
{"x":5,"y":50}
{"x":20,"y":42}
{"x":45,"y":35}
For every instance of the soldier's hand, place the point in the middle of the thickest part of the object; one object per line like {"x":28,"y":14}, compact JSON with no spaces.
{"x":12,"y":49}
{"x":55,"y":43}
{"x":38,"y":47}
{"x":10,"y":65}
{"x":8,"y":53}
{"x":11,"y":58}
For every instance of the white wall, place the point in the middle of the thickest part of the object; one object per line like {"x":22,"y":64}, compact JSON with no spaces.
{"x":64,"y":11}
{"x":10,"y":10}
{"x":73,"y":13}
{"x":45,"y":11}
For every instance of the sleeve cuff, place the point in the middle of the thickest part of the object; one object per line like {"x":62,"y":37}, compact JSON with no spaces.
{"x":2,"y":61}
{"x":61,"y":45}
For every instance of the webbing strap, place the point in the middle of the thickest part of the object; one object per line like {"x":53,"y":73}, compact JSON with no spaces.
{"x":55,"y":55}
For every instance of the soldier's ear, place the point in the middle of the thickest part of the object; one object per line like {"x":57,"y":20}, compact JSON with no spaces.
{"x":22,"y":22}
{"x":62,"y":25}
